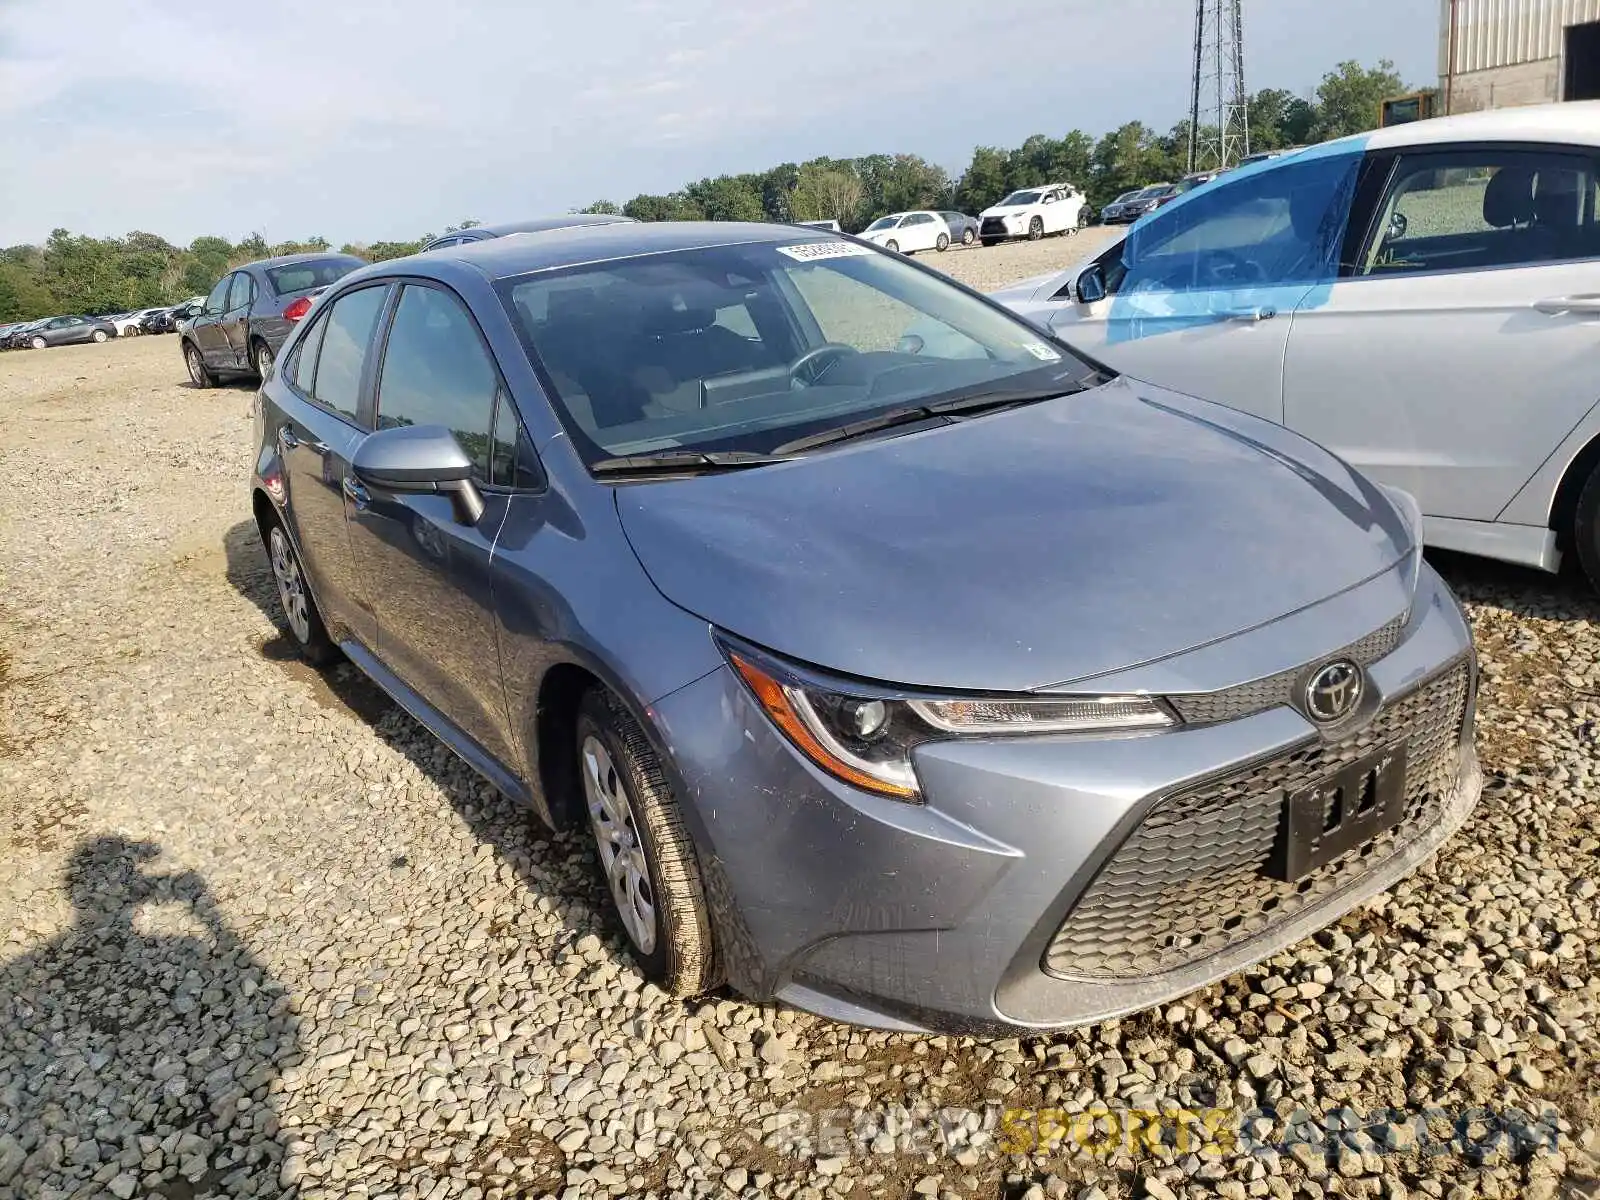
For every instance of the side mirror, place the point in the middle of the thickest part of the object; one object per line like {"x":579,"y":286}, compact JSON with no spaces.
{"x":1091,"y":285}
{"x":1397,"y":227}
{"x":417,"y":460}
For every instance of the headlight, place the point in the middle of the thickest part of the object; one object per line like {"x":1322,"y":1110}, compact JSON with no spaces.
{"x":865,"y":736}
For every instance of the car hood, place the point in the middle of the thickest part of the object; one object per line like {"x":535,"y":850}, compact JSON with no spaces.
{"x":1012,"y":211}
{"x":1020,"y":550}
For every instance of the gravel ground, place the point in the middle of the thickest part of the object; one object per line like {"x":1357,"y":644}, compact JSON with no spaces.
{"x":261,"y":936}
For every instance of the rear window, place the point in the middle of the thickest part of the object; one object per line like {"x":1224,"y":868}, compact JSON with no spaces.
{"x":315,"y":273}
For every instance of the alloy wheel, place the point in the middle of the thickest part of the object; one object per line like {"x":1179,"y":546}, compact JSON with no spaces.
{"x":616,"y":836}
{"x":264,"y":359}
{"x":197,"y":369}
{"x":291,"y":584}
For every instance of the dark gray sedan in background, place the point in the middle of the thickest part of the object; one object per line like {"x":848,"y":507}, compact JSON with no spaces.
{"x":932,"y":678}
{"x":247,"y":316}
{"x":68,"y":331}
{"x":482,"y":233}
{"x":963,"y":229}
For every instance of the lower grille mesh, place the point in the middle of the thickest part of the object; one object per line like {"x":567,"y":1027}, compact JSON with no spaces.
{"x":1188,"y":882}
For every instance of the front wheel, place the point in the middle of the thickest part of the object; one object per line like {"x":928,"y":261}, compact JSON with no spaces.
{"x":38,"y":343}
{"x":943,"y":243}
{"x":892,"y":246}
{"x":99,"y":335}
{"x":968,"y":237}
{"x":647,"y":857}
{"x":1035,"y":229}
{"x":199,"y":374}
{"x":1585,"y":531}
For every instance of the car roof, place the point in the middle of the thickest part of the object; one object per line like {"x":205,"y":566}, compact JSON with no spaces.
{"x":1575,"y":121}
{"x":573,"y":245}
{"x":284,"y":260}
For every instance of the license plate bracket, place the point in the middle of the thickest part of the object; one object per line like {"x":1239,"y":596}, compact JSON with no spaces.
{"x":1345,"y":809}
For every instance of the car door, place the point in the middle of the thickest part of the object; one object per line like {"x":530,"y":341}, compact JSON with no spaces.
{"x":1465,"y":343}
{"x":1053,"y":211}
{"x":1198,"y":297}
{"x":233,"y":326}
{"x":424,"y":573}
{"x":203,"y":329}
{"x":328,"y":371}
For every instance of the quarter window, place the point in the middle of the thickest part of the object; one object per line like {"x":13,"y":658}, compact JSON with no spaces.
{"x":346,"y":339}
{"x":1471,"y":210}
{"x":436,"y":371}
{"x":303,"y":365}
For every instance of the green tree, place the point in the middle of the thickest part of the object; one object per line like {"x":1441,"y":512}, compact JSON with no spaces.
{"x":985,"y":180}
{"x":727,"y":198}
{"x":1349,"y":96}
{"x":599,"y":206}
{"x":826,"y":193}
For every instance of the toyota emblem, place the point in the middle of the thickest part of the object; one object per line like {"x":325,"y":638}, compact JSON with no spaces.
{"x":1334,"y":691}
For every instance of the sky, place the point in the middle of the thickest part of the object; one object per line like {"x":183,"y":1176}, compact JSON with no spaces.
{"x":362,"y":121}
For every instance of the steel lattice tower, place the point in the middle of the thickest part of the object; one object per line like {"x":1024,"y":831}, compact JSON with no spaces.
{"x":1219,"y":115}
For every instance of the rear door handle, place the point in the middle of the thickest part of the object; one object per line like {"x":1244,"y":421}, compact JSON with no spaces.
{"x":290,"y":440}
{"x":1588,"y":306}
{"x":1252,"y":315}
{"x":356,"y":493}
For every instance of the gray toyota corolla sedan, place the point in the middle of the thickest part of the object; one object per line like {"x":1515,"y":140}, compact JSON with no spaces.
{"x":906,"y":666}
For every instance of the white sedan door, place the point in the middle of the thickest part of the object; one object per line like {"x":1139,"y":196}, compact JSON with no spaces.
{"x":1467,"y":344}
{"x":920,"y":231}
{"x":1199,"y":297}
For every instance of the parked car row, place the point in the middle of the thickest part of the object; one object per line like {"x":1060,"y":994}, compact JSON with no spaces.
{"x":1095,"y":689}
{"x":56,"y":331}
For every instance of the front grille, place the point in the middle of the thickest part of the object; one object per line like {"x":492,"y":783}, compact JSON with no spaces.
{"x":993,"y":227}
{"x":1207,"y":708}
{"x":1188,"y":882}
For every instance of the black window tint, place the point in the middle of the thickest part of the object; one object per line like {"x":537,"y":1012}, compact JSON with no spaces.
{"x":303,"y":368}
{"x":346,"y":339}
{"x":1467,"y":210}
{"x":514,"y":463}
{"x":437,"y":372}
{"x":239,"y":293}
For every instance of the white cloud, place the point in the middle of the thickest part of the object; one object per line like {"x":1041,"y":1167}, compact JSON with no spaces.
{"x":369,"y":119}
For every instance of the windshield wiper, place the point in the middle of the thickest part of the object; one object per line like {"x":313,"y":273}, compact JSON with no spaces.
{"x":968,"y":405}
{"x":689,"y":461}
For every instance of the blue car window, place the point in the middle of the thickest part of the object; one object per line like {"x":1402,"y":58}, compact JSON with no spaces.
{"x":345,"y":341}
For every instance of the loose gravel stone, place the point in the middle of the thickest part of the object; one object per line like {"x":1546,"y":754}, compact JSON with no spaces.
{"x":260,"y":935}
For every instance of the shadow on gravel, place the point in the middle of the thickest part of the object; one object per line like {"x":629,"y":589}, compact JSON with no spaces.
{"x":1522,"y":591}
{"x":138,"y":1049}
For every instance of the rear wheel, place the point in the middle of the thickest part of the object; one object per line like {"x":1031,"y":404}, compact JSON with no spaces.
{"x":299,"y":608}
{"x":967,"y":236}
{"x":99,"y":335}
{"x":943,"y":243}
{"x":892,"y":246}
{"x":261,"y":357}
{"x":1035,"y":229}
{"x":1585,"y":530}
{"x":199,"y":374}
{"x":646,"y":855}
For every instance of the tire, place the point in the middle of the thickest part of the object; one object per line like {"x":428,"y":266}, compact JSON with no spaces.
{"x":892,"y":246}
{"x":306,"y":630}
{"x":634,"y":816}
{"x":943,"y":243}
{"x":199,"y":374}
{"x":968,"y":237}
{"x":1585,"y":531}
{"x":38,"y":343}
{"x":261,"y":358}
{"x":1035,"y":229}
{"x":99,"y":335}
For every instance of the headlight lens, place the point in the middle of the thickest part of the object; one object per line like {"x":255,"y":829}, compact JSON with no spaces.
{"x":866,"y":739}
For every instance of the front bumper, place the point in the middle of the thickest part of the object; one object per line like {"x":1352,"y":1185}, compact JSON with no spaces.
{"x":1053,"y":881}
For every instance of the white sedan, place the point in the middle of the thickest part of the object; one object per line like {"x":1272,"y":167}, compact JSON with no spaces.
{"x":908,"y":232}
{"x":1423,"y":300}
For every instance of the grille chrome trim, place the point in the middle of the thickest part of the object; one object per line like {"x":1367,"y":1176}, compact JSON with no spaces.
{"x":1187,"y":884}
{"x":1230,"y":704}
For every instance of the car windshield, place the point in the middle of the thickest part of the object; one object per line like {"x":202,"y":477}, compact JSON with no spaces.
{"x":1018,"y":199}
{"x":314,"y":273}
{"x":747,"y":347}
{"x":884,"y":223}
{"x":1154,"y":190}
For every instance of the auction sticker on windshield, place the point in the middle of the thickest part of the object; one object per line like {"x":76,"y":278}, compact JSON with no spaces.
{"x":1042,"y":352}
{"x":812,"y":251}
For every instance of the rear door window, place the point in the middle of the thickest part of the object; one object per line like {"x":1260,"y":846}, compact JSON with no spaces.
{"x":241,"y":293}
{"x":346,"y":341}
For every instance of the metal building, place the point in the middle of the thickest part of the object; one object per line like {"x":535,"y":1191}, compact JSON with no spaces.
{"x":1503,"y":53}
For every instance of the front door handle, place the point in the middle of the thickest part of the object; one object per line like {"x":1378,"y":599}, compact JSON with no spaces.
{"x":1584,"y":306}
{"x":356,"y":493}
{"x":1252,"y":315}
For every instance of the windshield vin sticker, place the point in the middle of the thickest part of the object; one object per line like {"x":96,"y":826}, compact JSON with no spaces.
{"x":812,"y":251}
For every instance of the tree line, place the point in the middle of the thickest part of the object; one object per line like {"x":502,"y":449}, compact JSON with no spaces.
{"x":73,"y":273}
